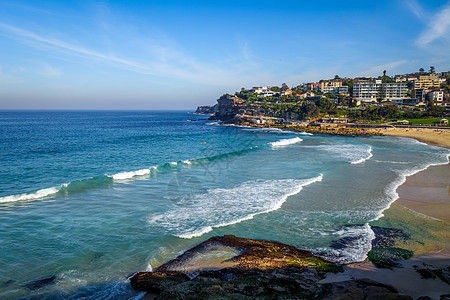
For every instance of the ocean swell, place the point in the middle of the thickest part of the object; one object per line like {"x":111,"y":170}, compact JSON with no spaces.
{"x":195,"y":215}
{"x":81,"y":185}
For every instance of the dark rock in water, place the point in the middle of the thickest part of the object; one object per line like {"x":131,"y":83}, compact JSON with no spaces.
{"x":387,"y":237}
{"x":40,"y":282}
{"x":8,"y":282}
{"x":156,"y":282}
{"x":388,"y":257}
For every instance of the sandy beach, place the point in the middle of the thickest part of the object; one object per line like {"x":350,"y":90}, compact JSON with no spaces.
{"x":423,"y":211}
{"x":433,"y":135}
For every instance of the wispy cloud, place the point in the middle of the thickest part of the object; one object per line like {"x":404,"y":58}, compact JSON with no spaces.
{"x":161,"y":61}
{"x":415,"y":8}
{"x":438,"y":27}
{"x":61,"y":45}
{"x":378,"y":70}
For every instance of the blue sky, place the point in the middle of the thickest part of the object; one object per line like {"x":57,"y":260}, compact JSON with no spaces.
{"x":180,"y":54}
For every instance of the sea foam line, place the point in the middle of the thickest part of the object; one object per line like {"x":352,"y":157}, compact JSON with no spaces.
{"x":285,"y":142}
{"x":275,"y":206}
{"x":360,"y":161}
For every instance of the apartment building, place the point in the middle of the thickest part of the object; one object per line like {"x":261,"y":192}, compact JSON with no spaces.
{"x":370,"y":91}
{"x":436,"y":96}
{"x":343,"y":90}
{"x":427,"y":81}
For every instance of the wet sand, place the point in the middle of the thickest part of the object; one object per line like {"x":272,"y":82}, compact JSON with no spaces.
{"x":428,"y":192}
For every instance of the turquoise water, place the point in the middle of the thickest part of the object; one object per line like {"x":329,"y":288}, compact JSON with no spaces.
{"x":90,"y":197}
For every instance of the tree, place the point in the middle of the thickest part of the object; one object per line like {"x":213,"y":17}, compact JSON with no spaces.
{"x":381,"y":94}
{"x":438,"y":111}
{"x":337,"y":77}
{"x":275,"y":89}
{"x":432,"y":70}
{"x":284,"y":87}
{"x":421,"y":70}
{"x":384,"y":73}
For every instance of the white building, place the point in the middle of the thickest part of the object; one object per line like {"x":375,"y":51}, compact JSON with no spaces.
{"x":370,"y":91}
{"x":261,"y":89}
{"x":267,"y":94}
{"x":436,"y":96}
{"x":343,"y":90}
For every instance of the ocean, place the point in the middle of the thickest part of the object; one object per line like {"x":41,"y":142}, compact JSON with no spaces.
{"x":90,"y":197}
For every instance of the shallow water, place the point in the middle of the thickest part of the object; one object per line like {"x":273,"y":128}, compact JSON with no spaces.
{"x":91,"y":197}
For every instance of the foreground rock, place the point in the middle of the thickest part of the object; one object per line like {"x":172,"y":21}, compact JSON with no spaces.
{"x":230,"y":267}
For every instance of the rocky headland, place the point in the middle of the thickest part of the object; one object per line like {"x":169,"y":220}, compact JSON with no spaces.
{"x":233,"y":110}
{"x":206,"y":110}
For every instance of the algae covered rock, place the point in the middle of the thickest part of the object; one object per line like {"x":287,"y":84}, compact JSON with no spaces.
{"x":388,"y":257}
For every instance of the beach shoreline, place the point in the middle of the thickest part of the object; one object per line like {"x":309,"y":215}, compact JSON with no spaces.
{"x":435,"y":136}
{"x":424,"y":196}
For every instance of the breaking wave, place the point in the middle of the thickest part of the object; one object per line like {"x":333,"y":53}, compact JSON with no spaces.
{"x":195,"y":215}
{"x":286,"y":142}
{"x":107,"y":179}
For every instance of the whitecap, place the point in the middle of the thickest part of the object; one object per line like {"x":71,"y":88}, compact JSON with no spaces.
{"x":129,"y":175}
{"x":30,"y":196}
{"x":285,"y":142}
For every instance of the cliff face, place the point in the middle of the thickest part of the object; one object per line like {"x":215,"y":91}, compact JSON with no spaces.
{"x":206,"y":109}
{"x":228,"y":107}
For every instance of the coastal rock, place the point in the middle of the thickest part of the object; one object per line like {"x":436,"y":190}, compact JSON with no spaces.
{"x":156,"y":282}
{"x":362,"y":289}
{"x":388,"y":237}
{"x":388,"y":257}
{"x":40,"y":282}
{"x":253,"y":269}
{"x":206,"y":110}
{"x":228,"y":107}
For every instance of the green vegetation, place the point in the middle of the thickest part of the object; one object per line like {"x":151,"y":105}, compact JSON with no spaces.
{"x":424,"y":121}
{"x":388,"y":258}
{"x":318,"y":263}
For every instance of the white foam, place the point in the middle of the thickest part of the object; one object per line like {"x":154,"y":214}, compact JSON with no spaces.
{"x":195,"y":215}
{"x":360,"y":161}
{"x":31,"y":196}
{"x":285,"y":142}
{"x":354,"y":154}
{"x":199,"y":232}
{"x":129,"y":175}
{"x":355,"y":249}
{"x":187,"y":162}
{"x":149,"y":267}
